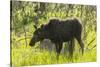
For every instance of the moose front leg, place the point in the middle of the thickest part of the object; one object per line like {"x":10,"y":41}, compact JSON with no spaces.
{"x":58,"y":49}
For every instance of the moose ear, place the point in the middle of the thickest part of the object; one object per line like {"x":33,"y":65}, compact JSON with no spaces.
{"x":42,"y":26}
{"x":35,"y":26}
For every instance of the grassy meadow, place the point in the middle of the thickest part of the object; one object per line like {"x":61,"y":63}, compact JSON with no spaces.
{"x":24,"y":55}
{"x":25,"y":14}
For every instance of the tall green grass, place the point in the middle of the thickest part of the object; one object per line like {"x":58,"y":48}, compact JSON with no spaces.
{"x":24,"y":56}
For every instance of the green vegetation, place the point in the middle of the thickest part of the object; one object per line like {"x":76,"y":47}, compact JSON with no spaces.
{"x":26,"y":14}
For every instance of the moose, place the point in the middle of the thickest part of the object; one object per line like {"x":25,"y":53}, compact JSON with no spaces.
{"x":59,"y":31}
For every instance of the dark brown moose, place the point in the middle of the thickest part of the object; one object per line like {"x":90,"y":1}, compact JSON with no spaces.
{"x":59,"y":31}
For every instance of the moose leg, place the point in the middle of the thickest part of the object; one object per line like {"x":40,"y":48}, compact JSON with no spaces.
{"x":58,"y":49}
{"x":78,"y":37}
{"x":71,"y":48}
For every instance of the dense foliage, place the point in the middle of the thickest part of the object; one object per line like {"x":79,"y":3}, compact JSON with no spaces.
{"x":24,"y":15}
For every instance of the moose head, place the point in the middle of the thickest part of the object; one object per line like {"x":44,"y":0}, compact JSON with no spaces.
{"x":38,"y":35}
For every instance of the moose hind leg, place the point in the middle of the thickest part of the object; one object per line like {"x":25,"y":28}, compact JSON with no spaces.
{"x":71,"y":48}
{"x":78,"y":37}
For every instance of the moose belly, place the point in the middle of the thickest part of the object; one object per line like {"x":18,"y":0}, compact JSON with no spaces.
{"x":62,"y":37}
